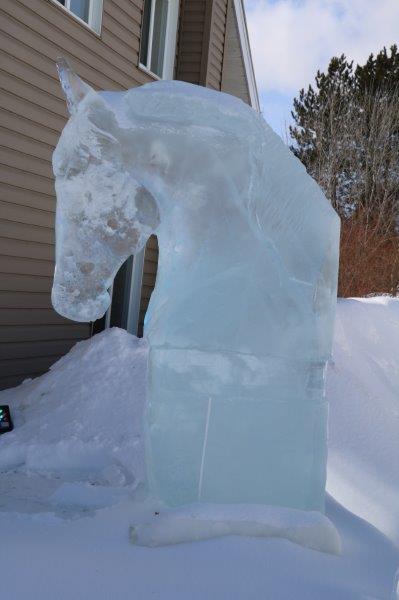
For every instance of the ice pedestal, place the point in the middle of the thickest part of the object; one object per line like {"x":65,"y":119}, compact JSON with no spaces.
{"x":201,"y":521}
{"x":235,"y":428}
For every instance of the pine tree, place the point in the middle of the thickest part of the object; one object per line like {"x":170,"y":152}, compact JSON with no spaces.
{"x":379,"y":74}
{"x":346,"y":133}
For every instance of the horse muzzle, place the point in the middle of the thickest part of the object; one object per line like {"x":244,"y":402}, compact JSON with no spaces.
{"x":83,"y":303}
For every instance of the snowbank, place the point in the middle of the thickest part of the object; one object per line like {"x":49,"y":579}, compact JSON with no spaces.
{"x":68,"y":470}
{"x":82,"y":421}
{"x":81,"y":425}
{"x":363,"y":390}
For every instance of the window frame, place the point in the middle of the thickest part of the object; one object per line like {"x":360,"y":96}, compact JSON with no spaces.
{"x":172,"y":20}
{"x":94,"y":22}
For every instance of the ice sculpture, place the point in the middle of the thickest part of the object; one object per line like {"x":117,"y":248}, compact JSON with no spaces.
{"x":241,"y":319}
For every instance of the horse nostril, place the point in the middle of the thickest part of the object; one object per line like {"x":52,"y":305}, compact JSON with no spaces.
{"x":86,"y":267}
{"x":112,"y":223}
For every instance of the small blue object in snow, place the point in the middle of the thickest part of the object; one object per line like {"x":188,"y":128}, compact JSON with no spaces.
{"x":5,"y":419}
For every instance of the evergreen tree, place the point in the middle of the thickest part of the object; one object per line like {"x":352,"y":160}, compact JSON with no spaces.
{"x":379,"y":74}
{"x":346,"y":133}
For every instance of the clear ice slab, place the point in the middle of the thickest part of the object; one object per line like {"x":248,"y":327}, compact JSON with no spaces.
{"x":241,"y":319}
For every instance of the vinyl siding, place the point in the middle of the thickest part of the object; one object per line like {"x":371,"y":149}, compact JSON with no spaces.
{"x":234,"y":80}
{"x":201,"y":42}
{"x":190,"y":42}
{"x":32,"y":114}
{"x":217,"y":35}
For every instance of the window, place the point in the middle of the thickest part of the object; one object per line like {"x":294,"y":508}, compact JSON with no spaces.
{"x":89,"y":11}
{"x":158,"y":37}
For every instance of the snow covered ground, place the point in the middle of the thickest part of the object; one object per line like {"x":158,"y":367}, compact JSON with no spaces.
{"x":363,"y":389}
{"x":70,"y":469}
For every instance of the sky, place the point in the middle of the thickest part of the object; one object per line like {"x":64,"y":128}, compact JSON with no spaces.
{"x":291,"y":39}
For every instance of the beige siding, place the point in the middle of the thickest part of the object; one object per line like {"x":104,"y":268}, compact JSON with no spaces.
{"x":201,"y":42}
{"x":191,"y":40}
{"x":32,"y":113}
{"x":216,"y":44}
{"x":234,"y":80}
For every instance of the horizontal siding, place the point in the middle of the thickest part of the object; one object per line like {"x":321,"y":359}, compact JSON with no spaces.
{"x":26,"y":367}
{"x":23,"y":248}
{"x":20,"y":103}
{"x":191,"y":41}
{"x":20,"y":141}
{"x":31,"y":333}
{"x":26,"y":214}
{"x":22,"y":316}
{"x":201,"y":42}
{"x":26,"y":231}
{"x":12,"y":282}
{"x":24,"y":300}
{"x":32,"y":114}
{"x":20,"y":197}
{"x":234,"y":79}
{"x":48,"y":29}
{"x":33,"y":165}
{"x":19,"y":350}
{"x":26,"y":266}
{"x":216,"y":44}
{"x":18,"y":177}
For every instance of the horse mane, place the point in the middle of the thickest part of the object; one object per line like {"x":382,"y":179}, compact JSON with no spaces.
{"x":281,"y":200}
{"x":184,"y":105}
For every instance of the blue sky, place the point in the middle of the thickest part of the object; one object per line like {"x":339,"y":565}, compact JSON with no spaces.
{"x":291,"y":39}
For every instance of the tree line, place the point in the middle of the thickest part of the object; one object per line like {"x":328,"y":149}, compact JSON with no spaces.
{"x":346,"y":133}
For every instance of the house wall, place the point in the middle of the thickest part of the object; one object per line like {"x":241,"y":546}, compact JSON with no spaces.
{"x":32,"y":114}
{"x":217,"y":36}
{"x":201,"y":42}
{"x":234,"y":79}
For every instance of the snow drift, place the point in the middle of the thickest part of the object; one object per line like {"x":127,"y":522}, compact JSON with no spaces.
{"x":76,"y":452}
{"x":82,"y":421}
{"x":363,"y":391}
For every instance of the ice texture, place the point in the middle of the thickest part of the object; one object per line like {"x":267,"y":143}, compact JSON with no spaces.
{"x":241,"y":319}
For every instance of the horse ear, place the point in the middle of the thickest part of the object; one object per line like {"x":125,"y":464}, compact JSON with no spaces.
{"x":73,"y":87}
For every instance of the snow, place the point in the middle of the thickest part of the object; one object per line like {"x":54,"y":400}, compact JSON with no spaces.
{"x":363,"y":390}
{"x":82,"y":420}
{"x":201,"y":521}
{"x":70,"y":487}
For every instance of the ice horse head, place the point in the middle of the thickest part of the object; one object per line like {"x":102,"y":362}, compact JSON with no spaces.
{"x":103,"y":213}
{"x":240,"y":322}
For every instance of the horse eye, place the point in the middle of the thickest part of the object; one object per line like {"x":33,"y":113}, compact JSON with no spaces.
{"x":77,"y":164}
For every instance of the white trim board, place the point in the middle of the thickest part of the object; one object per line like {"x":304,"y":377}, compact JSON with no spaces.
{"x":246,"y":53}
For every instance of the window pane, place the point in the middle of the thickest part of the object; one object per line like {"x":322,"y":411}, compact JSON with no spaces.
{"x":158,"y":36}
{"x":145,"y":31}
{"x":81,"y":9}
{"x":62,"y":2}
